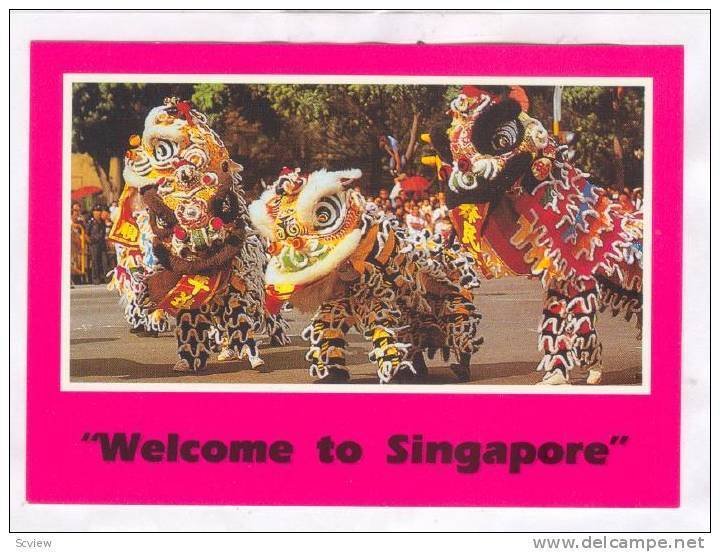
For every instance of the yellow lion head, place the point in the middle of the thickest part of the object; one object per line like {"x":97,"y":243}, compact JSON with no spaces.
{"x":183,"y":162}
{"x":313,"y":223}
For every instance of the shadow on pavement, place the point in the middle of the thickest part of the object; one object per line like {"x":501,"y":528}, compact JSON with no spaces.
{"x":84,"y":341}
{"x":440,"y":375}
{"x":488,"y":374}
{"x":629,"y":376}
{"x":123,"y":369}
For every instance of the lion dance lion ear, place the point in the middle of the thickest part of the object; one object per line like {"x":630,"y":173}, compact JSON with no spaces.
{"x":518,"y":94}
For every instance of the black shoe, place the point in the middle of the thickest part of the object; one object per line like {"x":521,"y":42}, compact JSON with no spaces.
{"x":275,"y":341}
{"x":335,"y":375}
{"x":405,"y":377}
{"x":418,"y":362}
{"x":461,"y":369}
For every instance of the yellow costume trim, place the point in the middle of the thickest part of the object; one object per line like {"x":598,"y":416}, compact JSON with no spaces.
{"x":472,"y":218}
{"x":125,"y":230}
{"x":384,"y":255}
{"x":364,"y":248}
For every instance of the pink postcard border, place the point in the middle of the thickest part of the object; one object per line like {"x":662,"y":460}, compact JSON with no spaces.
{"x":63,"y":469}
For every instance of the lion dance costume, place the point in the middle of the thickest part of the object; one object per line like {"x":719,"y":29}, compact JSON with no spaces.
{"x":197,"y":258}
{"x":355,"y":270}
{"x":133,"y":247}
{"x":521,"y":208}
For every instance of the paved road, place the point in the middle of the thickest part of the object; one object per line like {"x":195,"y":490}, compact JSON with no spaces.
{"x":102,"y":349}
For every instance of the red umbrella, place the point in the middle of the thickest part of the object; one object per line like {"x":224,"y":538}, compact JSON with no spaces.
{"x":83,"y":191}
{"x":414,"y":184}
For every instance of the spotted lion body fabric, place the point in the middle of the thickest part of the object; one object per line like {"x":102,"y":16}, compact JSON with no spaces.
{"x":404,"y":295}
{"x":520,"y":207}
{"x":132,"y":236}
{"x":201,"y":263}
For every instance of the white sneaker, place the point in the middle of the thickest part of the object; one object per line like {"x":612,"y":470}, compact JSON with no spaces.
{"x":594,"y":377}
{"x":256,"y":362}
{"x":555,"y":377}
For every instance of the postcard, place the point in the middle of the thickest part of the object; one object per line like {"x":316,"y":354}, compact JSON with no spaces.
{"x":375,"y":275}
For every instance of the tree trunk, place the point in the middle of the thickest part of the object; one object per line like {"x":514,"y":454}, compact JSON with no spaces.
{"x":618,"y":160}
{"x":107,"y":187}
{"x":413,"y":137}
{"x":115,"y":168}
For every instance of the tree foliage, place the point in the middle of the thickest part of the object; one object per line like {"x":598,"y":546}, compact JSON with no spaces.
{"x":268,"y":126}
{"x":597,"y":115}
{"x":104,"y":115}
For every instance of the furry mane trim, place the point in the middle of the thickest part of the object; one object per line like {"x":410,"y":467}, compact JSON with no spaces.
{"x":320,"y":184}
{"x":259,"y":216}
{"x":273,"y":276}
{"x":154,"y":130}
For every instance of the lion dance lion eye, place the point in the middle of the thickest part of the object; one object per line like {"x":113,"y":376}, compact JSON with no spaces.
{"x":164,"y":150}
{"x":327,"y":212}
{"x":505,"y":137}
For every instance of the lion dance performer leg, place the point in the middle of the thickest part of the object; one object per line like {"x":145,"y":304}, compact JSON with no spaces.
{"x":357,"y":271}
{"x":209,"y":263}
{"x":133,"y":246}
{"x":520,"y":207}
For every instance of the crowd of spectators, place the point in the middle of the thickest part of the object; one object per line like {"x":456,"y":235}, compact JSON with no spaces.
{"x":416,"y":210}
{"x":92,"y":257}
{"x":419,"y":211}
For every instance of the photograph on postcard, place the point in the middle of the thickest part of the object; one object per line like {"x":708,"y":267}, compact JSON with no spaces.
{"x":465,"y":235}
{"x":363,"y":272}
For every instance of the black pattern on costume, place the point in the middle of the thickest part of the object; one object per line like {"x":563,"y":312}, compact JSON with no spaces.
{"x":193,"y":332}
{"x":237,"y":315}
{"x":390,"y":306}
{"x":584,"y":244}
{"x":208,"y":263}
{"x":404,"y":295}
